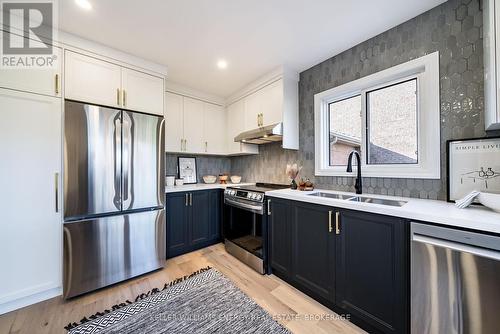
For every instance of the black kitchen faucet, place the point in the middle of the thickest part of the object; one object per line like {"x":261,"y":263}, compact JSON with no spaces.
{"x":358,"y":185}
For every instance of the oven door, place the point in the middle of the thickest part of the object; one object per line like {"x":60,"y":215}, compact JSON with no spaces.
{"x":244,"y":231}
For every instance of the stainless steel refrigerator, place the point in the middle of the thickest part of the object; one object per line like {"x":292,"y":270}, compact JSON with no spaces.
{"x":114,"y":218}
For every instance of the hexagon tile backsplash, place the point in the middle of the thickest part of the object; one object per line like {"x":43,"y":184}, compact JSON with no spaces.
{"x":455,"y":30}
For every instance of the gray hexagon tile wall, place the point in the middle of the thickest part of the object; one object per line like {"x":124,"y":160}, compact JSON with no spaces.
{"x":455,"y":30}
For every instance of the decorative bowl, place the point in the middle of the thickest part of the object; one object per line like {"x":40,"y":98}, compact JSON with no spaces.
{"x":235,"y":179}
{"x":490,"y":200}
{"x":209,"y":179}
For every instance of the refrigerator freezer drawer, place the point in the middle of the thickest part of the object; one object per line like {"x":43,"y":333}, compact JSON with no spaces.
{"x":103,"y":251}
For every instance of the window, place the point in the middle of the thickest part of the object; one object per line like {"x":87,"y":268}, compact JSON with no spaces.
{"x":345,"y":129}
{"x":390,"y":117}
{"x":392,"y":124}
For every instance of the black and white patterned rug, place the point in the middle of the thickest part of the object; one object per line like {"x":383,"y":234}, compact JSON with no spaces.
{"x":205,"y":302}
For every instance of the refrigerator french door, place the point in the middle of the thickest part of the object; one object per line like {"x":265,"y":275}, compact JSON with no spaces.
{"x":113,"y":196}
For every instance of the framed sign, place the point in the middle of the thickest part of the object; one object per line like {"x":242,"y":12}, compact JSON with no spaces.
{"x":187,"y":169}
{"x":473,"y":164}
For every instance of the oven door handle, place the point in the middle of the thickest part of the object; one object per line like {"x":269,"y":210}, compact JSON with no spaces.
{"x":253,"y":208}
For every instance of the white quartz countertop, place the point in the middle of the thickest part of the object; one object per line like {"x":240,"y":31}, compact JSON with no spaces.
{"x":203,"y":186}
{"x":432,"y":211}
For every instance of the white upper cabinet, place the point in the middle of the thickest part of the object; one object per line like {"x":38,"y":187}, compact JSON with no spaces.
{"x":92,"y":80}
{"x":40,"y":81}
{"x":253,"y":109}
{"x":491,"y":40}
{"x":272,"y":103}
{"x":194,"y":126}
{"x":142,"y":92}
{"x":235,"y":115}
{"x":214,"y":131}
{"x":174,"y":122}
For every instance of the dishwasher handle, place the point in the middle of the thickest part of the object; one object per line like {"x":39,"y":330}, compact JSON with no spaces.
{"x":456,"y":246}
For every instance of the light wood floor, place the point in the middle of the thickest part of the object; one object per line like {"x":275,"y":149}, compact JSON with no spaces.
{"x":293,"y":309}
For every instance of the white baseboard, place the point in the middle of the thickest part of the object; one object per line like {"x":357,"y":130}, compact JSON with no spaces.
{"x":29,"y":300}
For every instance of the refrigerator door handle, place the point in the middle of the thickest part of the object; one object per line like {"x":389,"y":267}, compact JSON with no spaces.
{"x":118,"y":162}
{"x":127,"y":167}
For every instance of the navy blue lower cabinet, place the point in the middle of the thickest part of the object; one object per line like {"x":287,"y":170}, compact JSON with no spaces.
{"x":313,"y":250}
{"x":372,"y":271}
{"x":193,"y":220}
{"x":353,"y":262}
{"x":178,"y":216}
{"x":280,"y":243}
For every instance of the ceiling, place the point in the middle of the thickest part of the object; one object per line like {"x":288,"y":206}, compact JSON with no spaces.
{"x":254,"y":36}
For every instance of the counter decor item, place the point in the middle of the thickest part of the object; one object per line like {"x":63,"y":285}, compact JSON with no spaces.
{"x":235,"y":179}
{"x":473,"y":164}
{"x":179,"y":182}
{"x":467,"y":200}
{"x":170,"y":180}
{"x":187,"y":169}
{"x":293,"y":171}
{"x":306,"y":185}
{"x":490,"y":200}
{"x":223,"y":178}
{"x":209,"y":179}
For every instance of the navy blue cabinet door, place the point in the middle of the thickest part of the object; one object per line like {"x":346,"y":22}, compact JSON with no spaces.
{"x":372,"y":270}
{"x":313,"y":250}
{"x":200,"y":214}
{"x":215,"y":215}
{"x":177,"y":207}
{"x":280,"y":235}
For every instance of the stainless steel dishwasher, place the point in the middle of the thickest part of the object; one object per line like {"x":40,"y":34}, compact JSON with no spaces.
{"x":455,"y":281}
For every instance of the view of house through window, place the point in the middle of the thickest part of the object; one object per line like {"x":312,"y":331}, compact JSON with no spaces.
{"x":391,"y":132}
{"x":392,"y":124}
{"x":345,"y":129}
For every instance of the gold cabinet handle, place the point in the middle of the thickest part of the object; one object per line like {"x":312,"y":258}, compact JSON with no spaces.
{"x":182,"y":143}
{"x":262,"y":119}
{"x":330,"y":229}
{"x":185,"y":144}
{"x":57,"y":84}
{"x":124,"y":93}
{"x":190,"y":199}
{"x":118,"y":96}
{"x":186,"y":203}
{"x":337,"y":222}
{"x":56,"y":187}
{"x":258,"y":119}
{"x":206,"y":146}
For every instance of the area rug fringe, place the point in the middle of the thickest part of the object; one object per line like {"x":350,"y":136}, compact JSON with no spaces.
{"x":94,"y":316}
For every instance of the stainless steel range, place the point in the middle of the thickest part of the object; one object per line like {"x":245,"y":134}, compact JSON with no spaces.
{"x":245,"y":223}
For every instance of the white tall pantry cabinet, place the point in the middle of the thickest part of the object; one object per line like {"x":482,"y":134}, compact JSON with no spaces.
{"x":30,"y":231}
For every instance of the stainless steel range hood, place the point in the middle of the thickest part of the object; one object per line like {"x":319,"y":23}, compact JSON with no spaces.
{"x":264,"y":135}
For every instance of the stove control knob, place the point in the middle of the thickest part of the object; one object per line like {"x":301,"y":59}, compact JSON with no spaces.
{"x":259,"y":197}
{"x":249,"y":195}
{"x":254,"y":196}
{"x":232,"y":192}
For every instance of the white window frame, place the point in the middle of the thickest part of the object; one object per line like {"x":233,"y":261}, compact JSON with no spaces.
{"x":426,"y":70}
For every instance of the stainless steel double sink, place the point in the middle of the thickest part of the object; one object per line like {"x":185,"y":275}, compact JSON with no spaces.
{"x":361,"y":199}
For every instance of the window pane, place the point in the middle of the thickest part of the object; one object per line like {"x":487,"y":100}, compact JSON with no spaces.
{"x":392,"y":124}
{"x":345,"y":129}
